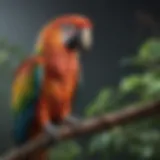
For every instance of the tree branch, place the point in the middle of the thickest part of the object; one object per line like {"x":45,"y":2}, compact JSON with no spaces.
{"x":89,"y":126}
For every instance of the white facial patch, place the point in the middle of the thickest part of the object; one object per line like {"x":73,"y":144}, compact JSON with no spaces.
{"x":68,"y":32}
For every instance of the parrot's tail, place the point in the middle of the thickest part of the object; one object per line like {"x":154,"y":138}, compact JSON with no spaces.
{"x":38,"y":155}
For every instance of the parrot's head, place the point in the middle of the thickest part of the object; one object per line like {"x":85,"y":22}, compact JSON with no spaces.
{"x":76,"y":31}
{"x":72,"y":32}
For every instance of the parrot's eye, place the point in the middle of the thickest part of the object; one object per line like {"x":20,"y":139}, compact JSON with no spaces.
{"x":69,"y":36}
{"x":74,"y":38}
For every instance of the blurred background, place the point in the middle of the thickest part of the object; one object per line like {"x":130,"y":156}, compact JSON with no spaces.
{"x":123,"y":68}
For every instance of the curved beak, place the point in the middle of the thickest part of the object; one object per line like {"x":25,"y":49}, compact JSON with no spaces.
{"x":81,"y":40}
{"x":86,"y":39}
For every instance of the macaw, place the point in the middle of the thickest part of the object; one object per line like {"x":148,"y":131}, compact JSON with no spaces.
{"x":45,"y":84}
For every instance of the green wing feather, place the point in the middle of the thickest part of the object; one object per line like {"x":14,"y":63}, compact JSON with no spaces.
{"x":25,"y":93}
{"x":23,"y":89}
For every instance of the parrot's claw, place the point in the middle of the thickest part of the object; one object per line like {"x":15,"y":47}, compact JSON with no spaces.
{"x":71,"y":121}
{"x":52,"y":130}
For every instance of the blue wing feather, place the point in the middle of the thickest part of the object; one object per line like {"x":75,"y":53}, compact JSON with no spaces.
{"x":23,"y":120}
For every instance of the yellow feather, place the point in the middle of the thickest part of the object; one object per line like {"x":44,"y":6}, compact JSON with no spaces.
{"x":19,"y":89}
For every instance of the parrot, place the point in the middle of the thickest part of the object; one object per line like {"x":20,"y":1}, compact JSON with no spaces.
{"x":44,"y":84}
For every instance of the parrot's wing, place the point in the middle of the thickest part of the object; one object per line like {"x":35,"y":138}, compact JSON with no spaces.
{"x":25,"y":93}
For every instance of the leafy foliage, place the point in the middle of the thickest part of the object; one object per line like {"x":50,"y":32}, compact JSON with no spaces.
{"x":105,"y":96}
{"x":137,"y":141}
{"x":10,"y":55}
{"x":66,"y":151}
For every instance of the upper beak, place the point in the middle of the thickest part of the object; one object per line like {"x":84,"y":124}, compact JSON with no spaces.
{"x":86,"y":39}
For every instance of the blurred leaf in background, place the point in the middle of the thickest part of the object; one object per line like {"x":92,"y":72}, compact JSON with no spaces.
{"x":101,"y":103}
{"x":149,"y":52}
{"x":10,"y":55}
{"x":66,"y":151}
{"x":141,"y":140}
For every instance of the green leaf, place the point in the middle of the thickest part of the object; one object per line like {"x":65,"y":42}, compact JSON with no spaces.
{"x":147,"y":151}
{"x":152,"y":82}
{"x":149,"y":51}
{"x":10,"y":54}
{"x":101,"y":102}
{"x":4,"y":56}
{"x":100,"y":142}
{"x":131,"y":83}
{"x":65,"y":151}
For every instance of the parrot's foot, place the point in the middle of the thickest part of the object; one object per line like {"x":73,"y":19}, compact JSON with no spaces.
{"x":71,"y":121}
{"x":52,"y":130}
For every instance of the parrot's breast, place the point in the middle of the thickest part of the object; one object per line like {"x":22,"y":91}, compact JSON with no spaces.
{"x":60,"y":90}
